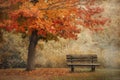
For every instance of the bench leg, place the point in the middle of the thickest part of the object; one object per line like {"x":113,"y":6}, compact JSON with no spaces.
{"x":72,"y":68}
{"x":92,"y":68}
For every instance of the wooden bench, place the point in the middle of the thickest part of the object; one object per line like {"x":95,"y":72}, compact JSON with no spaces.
{"x":82,"y":60}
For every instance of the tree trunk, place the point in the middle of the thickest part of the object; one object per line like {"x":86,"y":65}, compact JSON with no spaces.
{"x":32,"y":51}
{"x":1,"y":36}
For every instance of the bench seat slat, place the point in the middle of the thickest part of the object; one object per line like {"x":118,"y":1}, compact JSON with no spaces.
{"x":83,"y":64}
{"x":81,"y":56}
{"x":81,"y":60}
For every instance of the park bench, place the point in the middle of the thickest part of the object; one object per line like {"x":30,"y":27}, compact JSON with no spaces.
{"x":89,"y":60}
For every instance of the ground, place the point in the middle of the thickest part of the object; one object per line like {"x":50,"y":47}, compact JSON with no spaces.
{"x":59,"y":74}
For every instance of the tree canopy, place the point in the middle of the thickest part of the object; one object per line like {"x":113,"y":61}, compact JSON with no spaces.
{"x":53,"y":17}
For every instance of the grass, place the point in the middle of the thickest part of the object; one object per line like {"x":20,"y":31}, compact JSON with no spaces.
{"x":101,"y":74}
{"x":59,"y":74}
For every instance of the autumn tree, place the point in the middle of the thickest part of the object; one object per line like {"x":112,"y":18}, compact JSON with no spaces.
{"x":52,"y":19}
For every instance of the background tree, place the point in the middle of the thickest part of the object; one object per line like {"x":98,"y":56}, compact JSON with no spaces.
{"x":51,"y":19}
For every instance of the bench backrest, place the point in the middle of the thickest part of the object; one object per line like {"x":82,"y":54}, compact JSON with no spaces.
{"x":82,"y":58}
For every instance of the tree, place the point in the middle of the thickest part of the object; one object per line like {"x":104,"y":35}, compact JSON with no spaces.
{"x":51,"y":19}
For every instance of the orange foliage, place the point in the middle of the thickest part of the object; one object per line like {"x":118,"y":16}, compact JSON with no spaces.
{"x":56,"y":17}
